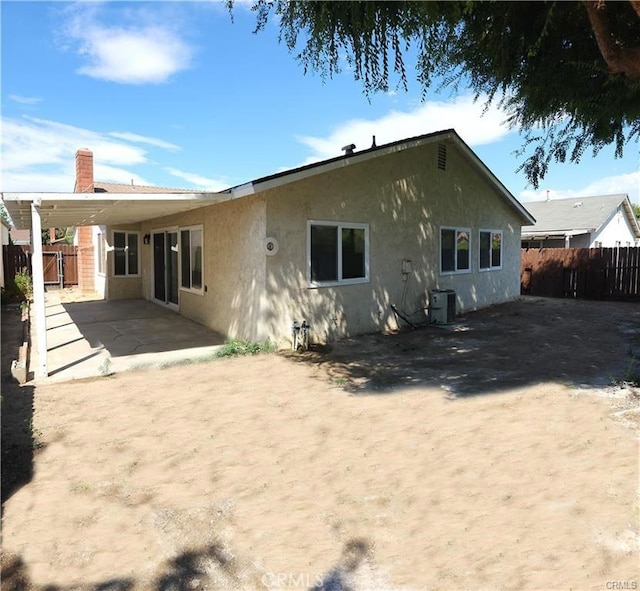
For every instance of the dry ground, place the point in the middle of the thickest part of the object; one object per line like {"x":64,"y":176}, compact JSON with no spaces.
{"x":497,"y":453}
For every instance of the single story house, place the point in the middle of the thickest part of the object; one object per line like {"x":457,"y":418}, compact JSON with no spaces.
{"x":603,"y":221}
{"x":335,"y":243}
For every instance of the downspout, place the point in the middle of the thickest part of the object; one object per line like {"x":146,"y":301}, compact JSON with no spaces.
{"x":37,"y":271}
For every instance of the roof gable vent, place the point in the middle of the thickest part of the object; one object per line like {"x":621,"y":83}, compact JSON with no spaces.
{"x":442,"y":156}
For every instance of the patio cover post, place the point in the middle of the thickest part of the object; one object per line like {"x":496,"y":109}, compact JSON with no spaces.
{"x":37,"y":271}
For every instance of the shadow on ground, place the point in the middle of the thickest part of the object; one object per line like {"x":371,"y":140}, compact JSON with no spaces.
{"x":18,"y":440}
{"x":194,"y":569}
{"x":215,"y":567}
{"x":512,"y":345}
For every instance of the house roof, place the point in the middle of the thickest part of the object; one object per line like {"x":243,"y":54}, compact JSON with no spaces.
{"x":578,"y":215}
{"x":114,"y":204}
{"x":302,"y":172}
{"x":100,"y":187}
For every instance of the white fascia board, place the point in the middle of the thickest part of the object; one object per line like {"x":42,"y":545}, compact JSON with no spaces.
{"x":242,"y":191}
{"x":44,"y":197}
{"x":579,"y":232}
{"x":633,"y":220}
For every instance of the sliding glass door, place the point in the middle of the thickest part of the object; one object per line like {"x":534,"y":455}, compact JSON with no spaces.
{"x":165,"y":267}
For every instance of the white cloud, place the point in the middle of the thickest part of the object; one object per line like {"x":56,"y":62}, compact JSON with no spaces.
{"x":31,"y":141}
{"x":138,"y":54}
{"x":59,"y":181}
{"x":463,"y":114}
{"x":39,"y":155}
{"x":141,"y":139}
{"x":611,"y":185}
{"x":24,"y":100}
{"x":200,"y":182}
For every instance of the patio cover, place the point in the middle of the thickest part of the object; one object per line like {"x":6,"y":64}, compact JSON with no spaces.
{"x":35,"y":211}
{"x":58,"y":210}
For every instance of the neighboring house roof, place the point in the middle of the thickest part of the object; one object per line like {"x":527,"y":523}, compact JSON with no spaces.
{"x":133,"y":203}
{"x":578,"y":215}
{"x":99,"y":187}
{"x":19,"y":236}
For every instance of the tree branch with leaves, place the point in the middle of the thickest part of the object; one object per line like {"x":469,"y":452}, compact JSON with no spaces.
{"x":567,"y":74}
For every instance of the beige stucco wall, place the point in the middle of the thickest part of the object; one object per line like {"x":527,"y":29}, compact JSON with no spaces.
{"x":233,"y":264}
{"x":405,"y":199}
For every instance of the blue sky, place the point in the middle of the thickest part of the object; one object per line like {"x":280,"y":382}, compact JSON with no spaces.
{"x":176,"y":95}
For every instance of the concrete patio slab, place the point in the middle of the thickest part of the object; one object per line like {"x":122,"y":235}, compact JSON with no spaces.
{"x":97,"y":338}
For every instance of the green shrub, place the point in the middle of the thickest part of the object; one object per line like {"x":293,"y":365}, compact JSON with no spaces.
{"x":236,"y":347}
{"x":24,"y":284}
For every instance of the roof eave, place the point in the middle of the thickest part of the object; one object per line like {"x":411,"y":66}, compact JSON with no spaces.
{"x":633,"y":220}
{"x":553,"y":234}
{"x":308,"y":171}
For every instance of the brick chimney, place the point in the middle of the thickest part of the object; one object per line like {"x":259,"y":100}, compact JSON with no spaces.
{"x":84,"y":184}
{"x":84,"y":171}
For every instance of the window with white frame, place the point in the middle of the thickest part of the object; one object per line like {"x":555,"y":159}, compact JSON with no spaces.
{"x":191,"y":264}
{"x":102,"y":253}
{"x":490,"y":249}
{"x":338,"y":253}
{"x":455,"y":248}
{"x":126,"y":254}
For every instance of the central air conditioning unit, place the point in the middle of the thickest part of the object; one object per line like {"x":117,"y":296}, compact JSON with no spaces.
{"x":442,"y":306}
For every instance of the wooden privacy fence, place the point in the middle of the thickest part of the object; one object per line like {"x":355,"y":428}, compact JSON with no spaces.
{"x":581,"y":273}
{"x":60,"y":263}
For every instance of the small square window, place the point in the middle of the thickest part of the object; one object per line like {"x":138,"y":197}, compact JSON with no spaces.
{"x":338,"y":253}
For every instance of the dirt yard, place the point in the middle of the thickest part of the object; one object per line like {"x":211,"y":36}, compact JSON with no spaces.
{"x":498,"y":453}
